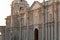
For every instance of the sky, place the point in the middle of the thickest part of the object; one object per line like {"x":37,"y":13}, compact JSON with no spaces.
{"x":5,"y":9}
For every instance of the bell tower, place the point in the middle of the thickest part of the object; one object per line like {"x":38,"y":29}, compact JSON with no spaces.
{"x":18,"y":6}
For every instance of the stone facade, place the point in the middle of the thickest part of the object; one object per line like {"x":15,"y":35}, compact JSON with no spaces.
{"x":2,"y":32}
{"x":38,"y":22}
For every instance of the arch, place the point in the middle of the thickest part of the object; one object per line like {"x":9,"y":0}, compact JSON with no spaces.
{"x":36,"y":34}
{"x":21,"y":0}
{"x":0,"y":33}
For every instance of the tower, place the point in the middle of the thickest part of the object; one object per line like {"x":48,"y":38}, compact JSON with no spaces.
{"x":18,"y":6}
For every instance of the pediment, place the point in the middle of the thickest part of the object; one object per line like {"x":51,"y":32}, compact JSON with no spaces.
{"x":36,"y":5}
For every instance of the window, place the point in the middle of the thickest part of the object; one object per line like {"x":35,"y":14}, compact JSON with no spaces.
{"x":20,"y":8}
{"x":21,"y":0}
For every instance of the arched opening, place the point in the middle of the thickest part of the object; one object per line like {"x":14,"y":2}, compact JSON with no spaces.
{"x":0,"y":33}
{"x":21,"y":0}
{"x":21,"y":8}
{"x":36,"y":34}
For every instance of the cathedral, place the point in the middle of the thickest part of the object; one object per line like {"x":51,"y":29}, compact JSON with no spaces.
{"x":40,"y":21}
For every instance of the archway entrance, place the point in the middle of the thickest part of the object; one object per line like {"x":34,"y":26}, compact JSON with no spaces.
{"x":36,"y":34}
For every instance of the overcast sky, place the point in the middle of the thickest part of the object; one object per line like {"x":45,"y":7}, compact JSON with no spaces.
{"x":5,"y":9}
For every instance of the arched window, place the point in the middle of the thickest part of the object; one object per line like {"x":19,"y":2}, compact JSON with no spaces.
{"x":36,"y":34}
{"x":21,"y":0}
{"x":21,"y":8}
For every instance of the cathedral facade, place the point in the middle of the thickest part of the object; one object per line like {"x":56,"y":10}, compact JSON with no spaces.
{"x":41,"y":21}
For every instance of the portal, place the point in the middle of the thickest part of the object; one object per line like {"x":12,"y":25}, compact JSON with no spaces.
{"x":36,"y":34}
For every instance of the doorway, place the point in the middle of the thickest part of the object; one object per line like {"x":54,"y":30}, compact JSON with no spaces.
{"x":36,"y":34}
